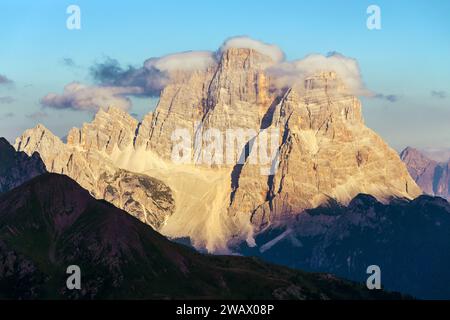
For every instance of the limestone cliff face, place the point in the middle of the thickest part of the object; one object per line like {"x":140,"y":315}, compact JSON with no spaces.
{"x":16,"y":167}
{"x":84,"y":159}
{"x":180,"y":107}
{"x":324,"y":152}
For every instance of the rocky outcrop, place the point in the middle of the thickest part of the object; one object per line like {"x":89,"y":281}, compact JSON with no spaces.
{"x":323,"y":151}
{"x":232,"y":94}
{"x":84,"y":158}
{"x":17,"y":167}
{"x":147,"y":198}
{"x":433,"y":177}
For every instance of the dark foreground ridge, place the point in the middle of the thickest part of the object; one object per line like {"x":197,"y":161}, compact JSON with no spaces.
{"x":50,"y":223}
{"x":408,"y":239}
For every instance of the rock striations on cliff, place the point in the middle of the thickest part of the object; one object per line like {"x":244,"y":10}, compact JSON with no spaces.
{"x":432,"y":176}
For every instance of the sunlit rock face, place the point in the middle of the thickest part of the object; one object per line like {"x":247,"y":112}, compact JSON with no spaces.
{"x":323,"y":151}
{"x":326,"y":152}
{"x":232,"y":94}
{"x":85,"y":158}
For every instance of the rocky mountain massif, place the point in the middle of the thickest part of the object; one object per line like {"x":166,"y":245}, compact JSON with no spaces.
{"x":407,"y":239}
{"x":325,"y":152}
{"x":432,"y":176}
{"x":51,"y":222}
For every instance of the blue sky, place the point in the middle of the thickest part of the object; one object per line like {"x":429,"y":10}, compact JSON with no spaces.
{"x":408,"y":58}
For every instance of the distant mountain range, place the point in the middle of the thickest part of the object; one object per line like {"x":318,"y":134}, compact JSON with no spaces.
{"x":50,"y":222}
{"x":432,"y":176}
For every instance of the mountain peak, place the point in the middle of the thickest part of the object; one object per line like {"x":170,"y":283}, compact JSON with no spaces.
{"x":410,"y":154}
{"x":17,"y":167}
{"x":112,"y":112}
{"x":244,"y":58}
{"x":433,"y":177}
{"x":38,"y":139}
{"x":110,"y":128}
{"x":409,"y":151}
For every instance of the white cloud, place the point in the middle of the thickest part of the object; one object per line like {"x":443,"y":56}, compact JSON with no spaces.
{"x":117,"y":83}
{"x":293,"y":73}
{"x":81,"y":97}
{"x":184,"y":61}
{"x":156,"y":72}
{"x":270,"y":50}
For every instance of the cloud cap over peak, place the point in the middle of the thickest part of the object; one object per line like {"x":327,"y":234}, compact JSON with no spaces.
{"x":244,"y":42}
{"x":183,"y":61}
{"x":293,"y":73}
{"x":115,"y":84}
